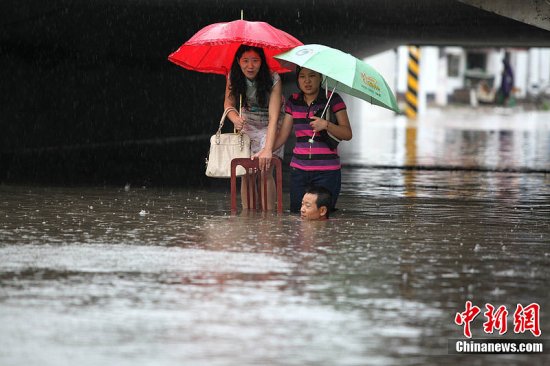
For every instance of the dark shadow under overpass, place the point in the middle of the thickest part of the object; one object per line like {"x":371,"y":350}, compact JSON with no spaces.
{"x":88,"y":97}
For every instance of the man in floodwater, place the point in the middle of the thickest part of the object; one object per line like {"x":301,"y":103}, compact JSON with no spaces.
{"x":315,"y":204}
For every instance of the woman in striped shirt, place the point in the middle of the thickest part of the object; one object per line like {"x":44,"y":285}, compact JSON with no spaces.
{"x":314,"y":162}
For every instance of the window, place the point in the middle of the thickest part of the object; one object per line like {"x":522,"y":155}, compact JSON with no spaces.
{"x":476,"y":60}
{"x":453,"y":65}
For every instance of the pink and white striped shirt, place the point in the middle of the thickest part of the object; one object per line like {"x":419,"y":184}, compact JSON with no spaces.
{"x":317,"y":155}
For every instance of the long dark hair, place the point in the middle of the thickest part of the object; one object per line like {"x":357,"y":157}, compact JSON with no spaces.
{"x":263,"y":80}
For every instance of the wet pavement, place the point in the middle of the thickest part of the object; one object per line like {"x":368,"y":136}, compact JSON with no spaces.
{"x":451,"y":208}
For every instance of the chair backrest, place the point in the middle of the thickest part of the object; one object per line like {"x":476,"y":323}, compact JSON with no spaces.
{"x":252,"y":169}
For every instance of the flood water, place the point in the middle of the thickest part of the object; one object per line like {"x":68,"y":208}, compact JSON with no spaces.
{"x":451,"y":208}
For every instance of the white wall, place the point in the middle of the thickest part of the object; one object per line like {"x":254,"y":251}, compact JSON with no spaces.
{"x":494,"y":66}
{"x":429,"y":63}
{"x":521,"y":76}
{"x":531,"y":67}
{"x":538,"y":68}
{"x":545,"y":65}
{"x":386,"y":64}
{"x":458,"y":81}
{"x":402,"y":59}
{"x":441,"y":94}
{"x":428,"y":78}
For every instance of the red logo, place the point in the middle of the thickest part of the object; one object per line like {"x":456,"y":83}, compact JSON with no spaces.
{"x":525,"y":319}
{"x":466,"y":317}
{"x":495,"y":319}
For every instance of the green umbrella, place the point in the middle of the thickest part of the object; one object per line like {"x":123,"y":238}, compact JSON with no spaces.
{"x":344,"y":72}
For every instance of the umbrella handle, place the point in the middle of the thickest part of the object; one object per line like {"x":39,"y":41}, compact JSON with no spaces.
{"x":311,"y":140}
{"x":328,"y":101}
{"x":324,"y":111}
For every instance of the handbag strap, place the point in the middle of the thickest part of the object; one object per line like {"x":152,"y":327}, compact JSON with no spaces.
{"x":225,"y":113}
{"x":219,"y":132}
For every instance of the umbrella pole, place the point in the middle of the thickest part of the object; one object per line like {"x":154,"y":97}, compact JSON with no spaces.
{"x":328,"y":101}
{"x":311,"y":140}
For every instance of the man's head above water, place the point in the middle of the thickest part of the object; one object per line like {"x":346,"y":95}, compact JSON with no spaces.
{"x":316,"y":203}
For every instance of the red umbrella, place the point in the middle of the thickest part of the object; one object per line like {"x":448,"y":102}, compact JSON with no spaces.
{"x":213,"y":48}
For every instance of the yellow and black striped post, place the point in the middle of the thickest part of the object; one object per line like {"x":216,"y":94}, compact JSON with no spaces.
{"x":413,"y":71}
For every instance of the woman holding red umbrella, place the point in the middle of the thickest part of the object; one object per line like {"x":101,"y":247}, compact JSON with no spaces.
{"x":243,"y":51}
{"x":260,"y":91}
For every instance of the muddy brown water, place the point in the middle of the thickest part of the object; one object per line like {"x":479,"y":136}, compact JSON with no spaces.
{"x":152,"y":276}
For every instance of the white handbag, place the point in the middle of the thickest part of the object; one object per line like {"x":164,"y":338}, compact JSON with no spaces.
{"x":225,"y":147}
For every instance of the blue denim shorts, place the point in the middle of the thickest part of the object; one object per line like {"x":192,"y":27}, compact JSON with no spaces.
{"x":301,"y":180}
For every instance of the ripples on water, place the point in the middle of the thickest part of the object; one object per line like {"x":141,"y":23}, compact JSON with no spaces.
{"x":160,"y":277}
{"x":461,"y":139}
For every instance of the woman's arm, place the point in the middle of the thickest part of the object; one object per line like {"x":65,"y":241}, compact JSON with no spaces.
{"x":284,"y":132}
{"x":229,"y":102}
{"x":266,"y":153}
{"x":342,"y":130}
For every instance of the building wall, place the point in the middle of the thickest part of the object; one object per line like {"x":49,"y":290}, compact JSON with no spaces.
{"x":538,"y":68}
{"x":531,"y":70}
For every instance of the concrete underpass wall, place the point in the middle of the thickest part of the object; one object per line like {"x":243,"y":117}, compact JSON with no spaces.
{"x":88,"y":97}
{"x":67,"y":119}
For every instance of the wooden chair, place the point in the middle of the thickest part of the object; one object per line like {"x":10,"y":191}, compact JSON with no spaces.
{"x":253,"y":172}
